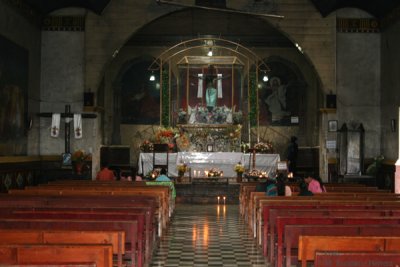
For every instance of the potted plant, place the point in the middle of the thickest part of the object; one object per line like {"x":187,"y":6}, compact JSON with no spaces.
{"x":182,"y":168}
{"x":239,"y":169}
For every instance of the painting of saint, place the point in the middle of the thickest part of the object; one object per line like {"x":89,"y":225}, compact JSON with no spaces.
{"x":13,"y":94}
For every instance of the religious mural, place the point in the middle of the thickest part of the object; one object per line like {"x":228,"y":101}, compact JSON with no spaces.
{"x":280,"y":97}
{"x":13,"y":98}
{"x":140,"y":97}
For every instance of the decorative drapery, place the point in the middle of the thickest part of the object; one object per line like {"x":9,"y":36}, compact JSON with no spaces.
{"x":55,"y":124}
{"x":253,"y":105}
{"x":165,"y":99}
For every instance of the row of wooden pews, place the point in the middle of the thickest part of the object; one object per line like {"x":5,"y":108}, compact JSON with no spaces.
{"x":96,"y":223}
{"x":288,"y":229}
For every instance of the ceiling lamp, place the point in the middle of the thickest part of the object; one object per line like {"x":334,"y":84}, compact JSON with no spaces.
{"x":152,"y":77}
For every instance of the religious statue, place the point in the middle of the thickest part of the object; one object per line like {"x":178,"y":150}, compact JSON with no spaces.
{"x":276,"y":101}
{"x":211,"y":95}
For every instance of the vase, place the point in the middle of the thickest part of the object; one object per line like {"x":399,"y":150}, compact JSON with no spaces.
{"x":239,"y":176}
{"x":78,"y":168}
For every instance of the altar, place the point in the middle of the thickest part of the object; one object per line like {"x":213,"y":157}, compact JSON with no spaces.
{"x":199,"y":162}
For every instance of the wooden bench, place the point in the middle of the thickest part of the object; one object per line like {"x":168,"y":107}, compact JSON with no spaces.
{"x":100,"y":255}
{"x":308,"y":245}
{"x":311,"y":203}
{"x":340,"y":259}
{"x":139,"y":247}
{"x":31,"y":236}
{"x":279,"y":230}
{"x":293,"y":232}
{"x":160,"y":192}
{"x":129,"y":227}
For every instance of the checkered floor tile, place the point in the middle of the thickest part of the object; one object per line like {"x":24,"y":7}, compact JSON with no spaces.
{"x":207,"y":235}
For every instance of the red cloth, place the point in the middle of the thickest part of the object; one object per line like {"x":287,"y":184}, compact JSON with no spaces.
{"x":105,"y":174}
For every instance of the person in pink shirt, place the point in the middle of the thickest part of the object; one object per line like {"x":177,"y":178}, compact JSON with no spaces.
{"x":313,"y":184}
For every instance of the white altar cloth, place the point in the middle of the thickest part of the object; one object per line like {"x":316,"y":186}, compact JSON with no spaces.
{"x":202,"y":161}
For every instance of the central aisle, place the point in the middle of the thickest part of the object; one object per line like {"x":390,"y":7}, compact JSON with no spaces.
{"x":207,"y":235}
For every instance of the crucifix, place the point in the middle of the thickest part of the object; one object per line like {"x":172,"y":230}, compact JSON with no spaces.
{"x":68,"y":118}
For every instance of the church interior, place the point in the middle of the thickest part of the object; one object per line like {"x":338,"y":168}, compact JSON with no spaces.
{"x":223,"y":96}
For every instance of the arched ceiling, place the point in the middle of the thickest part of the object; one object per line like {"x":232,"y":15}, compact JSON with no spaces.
{"x":377,"y":8}
{"x":250,"y":31}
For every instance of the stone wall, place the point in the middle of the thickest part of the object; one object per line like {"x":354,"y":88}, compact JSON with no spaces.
{"x":390,"y":97}
{"x":63,"y":83}
{"x":358,"y":82}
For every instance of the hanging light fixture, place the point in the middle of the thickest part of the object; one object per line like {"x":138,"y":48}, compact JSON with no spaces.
{"x":152,"y":77}
{"x":210,"y":52}
{"x":265,"y":77}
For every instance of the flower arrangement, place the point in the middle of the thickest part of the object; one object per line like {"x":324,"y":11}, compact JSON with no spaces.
{"x":237,"y":117}
{"x":164,"y":135}
{"x":182,"y":116}
{"x":264,"y":148}
{"x":244,"y":147}
{"x":146,"y":146}
{"x":80,"y":156}
{"x":182,"y":168}
{"x":183,"y":142}
{"x":239,"y":168}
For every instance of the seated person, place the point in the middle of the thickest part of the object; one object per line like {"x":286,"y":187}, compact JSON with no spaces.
{"x":271,"y":189}
{"x":105,"y":174}
{"x":304,"y":189}
{"x":283,"y":188}
{"x":163,"y":176}
{"x":313,"y":185}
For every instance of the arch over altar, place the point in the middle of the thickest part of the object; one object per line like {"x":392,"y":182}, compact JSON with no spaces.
{"x":208,"y":86}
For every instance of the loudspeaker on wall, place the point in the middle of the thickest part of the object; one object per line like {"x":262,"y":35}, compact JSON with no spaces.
{"x":88,"y":99}
{"x":331,"y":101}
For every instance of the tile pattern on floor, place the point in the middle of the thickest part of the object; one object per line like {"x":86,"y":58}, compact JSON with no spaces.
{"x":207,"y":235}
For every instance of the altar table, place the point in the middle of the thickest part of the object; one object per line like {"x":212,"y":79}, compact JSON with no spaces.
{"x":198,"y":162}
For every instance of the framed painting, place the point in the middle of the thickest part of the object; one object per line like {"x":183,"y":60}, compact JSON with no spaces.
{"x":14,"y":72}
{"x":332,"y":126}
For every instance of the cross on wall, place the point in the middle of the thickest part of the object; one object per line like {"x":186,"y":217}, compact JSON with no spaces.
{"x":68,"y":114}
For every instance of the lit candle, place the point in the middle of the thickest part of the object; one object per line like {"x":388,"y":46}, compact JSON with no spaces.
{"x":218,"y":199}
{"x":224,"y":199}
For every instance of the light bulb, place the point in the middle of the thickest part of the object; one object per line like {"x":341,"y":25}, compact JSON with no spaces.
{"x":210,"y":53}
{"x":265,"y":78}
{"x":152,"y":77}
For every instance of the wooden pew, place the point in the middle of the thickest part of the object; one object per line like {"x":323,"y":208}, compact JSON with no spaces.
{"x":139,"y":247}
{"x":160,"y":192}
{"x":100,"y":255}
{"x":31,"y":236}
{"x":129,"y":227}
{"x":340,"y":259}
{"x":163,"y":214}
{"x":308,"y":245}
{"x":311,"y":203}
{"x":279,"y":230}
{"x":293,"y":232}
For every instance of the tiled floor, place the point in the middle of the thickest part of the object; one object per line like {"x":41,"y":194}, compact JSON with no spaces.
{"x":207,"y":235}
